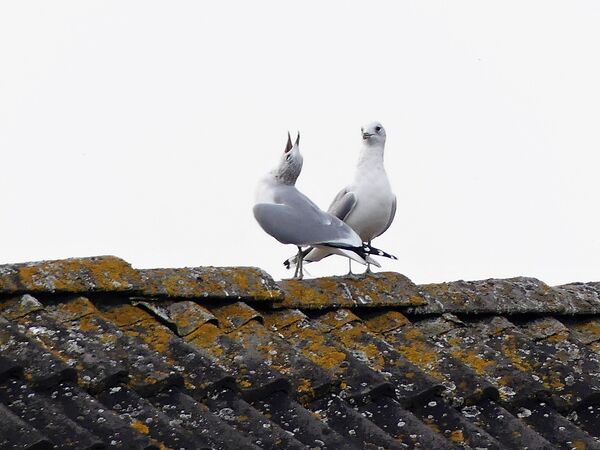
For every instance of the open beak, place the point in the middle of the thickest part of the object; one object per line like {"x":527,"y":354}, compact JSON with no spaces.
{"x":288,"y":146}
{"x":367,"y":135}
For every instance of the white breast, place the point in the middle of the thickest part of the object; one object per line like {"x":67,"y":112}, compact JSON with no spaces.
{"x":375,"y":199}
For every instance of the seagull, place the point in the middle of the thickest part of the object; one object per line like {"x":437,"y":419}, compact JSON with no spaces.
{"x":292,"y":218}
{"x":368,"y":204}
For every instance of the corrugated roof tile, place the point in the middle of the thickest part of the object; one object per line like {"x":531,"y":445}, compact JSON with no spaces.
{"x":75,"y":275}
{"x":410,"y":384}
{"x":355,"y":379}
{"x":519,"y":295}
{"x":265,"y":433}
{"x":224,"y":283}
{"x":465,"y":383}
{"x":40,"y":410}
{"x":199,"y":370}
{"x":209,"y":358}
{"x":303,"y":423}
{"x":40,"y":366}
{"x":374,"y":290}
{"x":16,"y":433}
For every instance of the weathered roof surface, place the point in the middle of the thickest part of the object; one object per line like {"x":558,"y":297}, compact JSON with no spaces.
{"x":95,"y":354}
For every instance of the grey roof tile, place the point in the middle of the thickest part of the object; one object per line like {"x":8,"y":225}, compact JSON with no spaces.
{"x":303,"y":423}
{"x":265,"y":433}
{"x":404,"y":426}
{"x":215,"y":357}
{"x":41,"y":412}
{"x":40,"y":367}
{"x":211,"y":430}
{"x":18,"y":434}
{"x":75,"y":275}
{"x":225,"y":283}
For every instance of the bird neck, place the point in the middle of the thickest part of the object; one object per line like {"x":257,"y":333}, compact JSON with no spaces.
{"x":371,"y":157}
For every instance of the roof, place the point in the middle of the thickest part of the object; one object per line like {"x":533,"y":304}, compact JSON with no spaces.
{"x":95,"y":354}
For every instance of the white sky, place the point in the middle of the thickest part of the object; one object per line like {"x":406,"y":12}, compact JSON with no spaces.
{"x":140,"y":128}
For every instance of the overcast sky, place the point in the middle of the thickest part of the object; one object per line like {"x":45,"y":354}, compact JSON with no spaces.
{"x":140,"y":129}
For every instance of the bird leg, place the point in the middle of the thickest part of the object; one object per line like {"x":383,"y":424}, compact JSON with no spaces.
{"x":298,"y":274}
{"x":349,"y":267}
{"x":368,"y":263}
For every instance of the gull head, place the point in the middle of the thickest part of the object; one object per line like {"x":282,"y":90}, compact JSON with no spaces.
{"x":373,"y":134}
{"x":290,"y":164}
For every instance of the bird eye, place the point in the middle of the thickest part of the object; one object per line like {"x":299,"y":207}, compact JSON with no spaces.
{"x":377,"y":128}
{"x":287,"y":158}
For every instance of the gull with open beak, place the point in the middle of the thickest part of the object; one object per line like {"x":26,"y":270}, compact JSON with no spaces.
{"x":368,"y":204}
{"x":292,"y":218}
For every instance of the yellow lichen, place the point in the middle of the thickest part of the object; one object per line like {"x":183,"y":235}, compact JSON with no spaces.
{"x":457,"y":436}
{"x":454,"y":341}
{"x":140,"y":426}
{"x":472,"y":359}
{"x":510,"y":350}
{"x":245,"y":383}
{"x":389,"y":321}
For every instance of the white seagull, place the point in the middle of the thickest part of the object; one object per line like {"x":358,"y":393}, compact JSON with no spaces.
{"x":292,"y":218}
{"x":368,"y":204}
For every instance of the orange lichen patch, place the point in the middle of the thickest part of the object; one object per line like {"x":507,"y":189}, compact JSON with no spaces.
{"x":454,"y":341}
{"x":578,"y":445}
{"x":138,"y":323}
{"x":157,"y":336}
{"x":241,"y":280}
{"x":588,"y":332}
{"x":298,"y":293}
{"x":339,"y":318}
{"x":553,"y":382}
{"x":305,"y":390}
{"x":358,"y":338}
{"x":207,"y":337}
{"x":314,"y":346}
{"x":558,"y":337}
{"x":72,"y":309}
{"x":472,"y":359}
{"x":101,"y":273}
{"x":324,"y":355}
{"x":188,"y":316}
{"x":244,"y":383}
{"x":423,"y":356}
{"x":412,"y":333}
{"x":445,"y":291}
{"x":381,"y":289}
{"x":304,"y":386}
{"x":457,"y":437}
{"x":88,"y":324}
{"x":235,"y":315}
{"x":545,"y":328}
{"x":211,"y":282}
{"x":388,"y":321}
{"x":280,"y":319}
{"x":140,"y":426}
{"x":510,"y":350}
{"x":126,"y":315}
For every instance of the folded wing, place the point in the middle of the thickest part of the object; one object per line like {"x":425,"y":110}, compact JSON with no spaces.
{"x":303,"y":226}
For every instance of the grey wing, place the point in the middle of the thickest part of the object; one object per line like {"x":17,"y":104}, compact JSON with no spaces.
{"x":343,"y":204}
{"x":303,"y":226}
{"x":391,"y":219}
